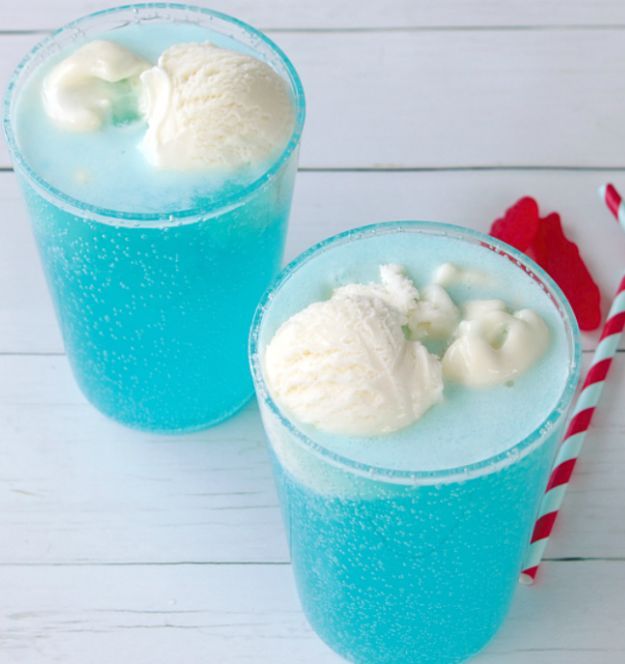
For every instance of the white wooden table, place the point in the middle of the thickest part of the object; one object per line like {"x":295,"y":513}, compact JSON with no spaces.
{"x":117,"y":546}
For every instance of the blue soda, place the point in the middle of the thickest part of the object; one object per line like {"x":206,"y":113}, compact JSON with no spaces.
{"x":154,"y":274}
{"x":407,"y":548}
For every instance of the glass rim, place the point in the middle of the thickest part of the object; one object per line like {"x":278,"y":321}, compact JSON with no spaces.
{"x":152,"y":219}
{"x":421,"y":477}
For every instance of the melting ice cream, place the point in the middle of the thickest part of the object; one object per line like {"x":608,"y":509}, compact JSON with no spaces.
{"x":205,"y":107}
{"x":357,"y":364}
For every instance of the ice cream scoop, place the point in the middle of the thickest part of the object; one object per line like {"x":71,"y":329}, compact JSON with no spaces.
{"x":96,"y":82}
{"x":205,"y":107}
{"x":355,"y":364}
{"x":346,"y":366}
{"x":434,"y":316}
{"x":494,"y":345}
{"x":209,"y":107}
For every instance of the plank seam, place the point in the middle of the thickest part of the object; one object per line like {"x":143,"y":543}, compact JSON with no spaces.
{"x":441,"y":169}
{"x":547,"y":27}
{"x":9,"y":353}
{"x":258,"y":563}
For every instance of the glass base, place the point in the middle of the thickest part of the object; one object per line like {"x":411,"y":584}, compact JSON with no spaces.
{"x":152,"y":425}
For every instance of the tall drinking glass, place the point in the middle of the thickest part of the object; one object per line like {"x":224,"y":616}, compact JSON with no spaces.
{"x":397,"y":564}
{"x":155,"y":308}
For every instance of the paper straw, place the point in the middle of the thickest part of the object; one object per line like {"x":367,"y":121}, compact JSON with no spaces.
{"x":614,"y":202}
{"x":582,"y":414}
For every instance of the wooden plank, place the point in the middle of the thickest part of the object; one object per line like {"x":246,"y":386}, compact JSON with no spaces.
{"x":312,"y":14}
{"x":326,"y":203}
{"x":238,"y":615}
{"x":444,"y":99}
{"x":76,"y":487}
{"x":155,"y":614}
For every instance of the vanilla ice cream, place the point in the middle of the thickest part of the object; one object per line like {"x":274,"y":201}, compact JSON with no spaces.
{"x":449,"y":274}
{"x":209,"y":107}
{"x":357,"y":364}
{"x":434,"y":315}
{"x":346,"y":366}
{"x":96,"y":82}
{"x":494,"y":345}
{"x":205,"y":107}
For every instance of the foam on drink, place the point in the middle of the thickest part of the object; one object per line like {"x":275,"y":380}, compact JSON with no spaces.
{"x":154,"y":118}
{"x":498,"y":337}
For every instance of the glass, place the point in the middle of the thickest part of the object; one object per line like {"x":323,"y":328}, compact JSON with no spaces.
{"x":155,"y":309}
{"x":404,"y":566}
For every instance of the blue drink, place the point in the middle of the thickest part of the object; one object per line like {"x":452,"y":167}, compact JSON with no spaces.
{"x":406,"y":548}
{"x":154,"y":274}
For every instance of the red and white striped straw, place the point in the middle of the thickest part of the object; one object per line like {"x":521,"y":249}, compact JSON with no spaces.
{"x":582,"y":414}
{"x":614,"y":202}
